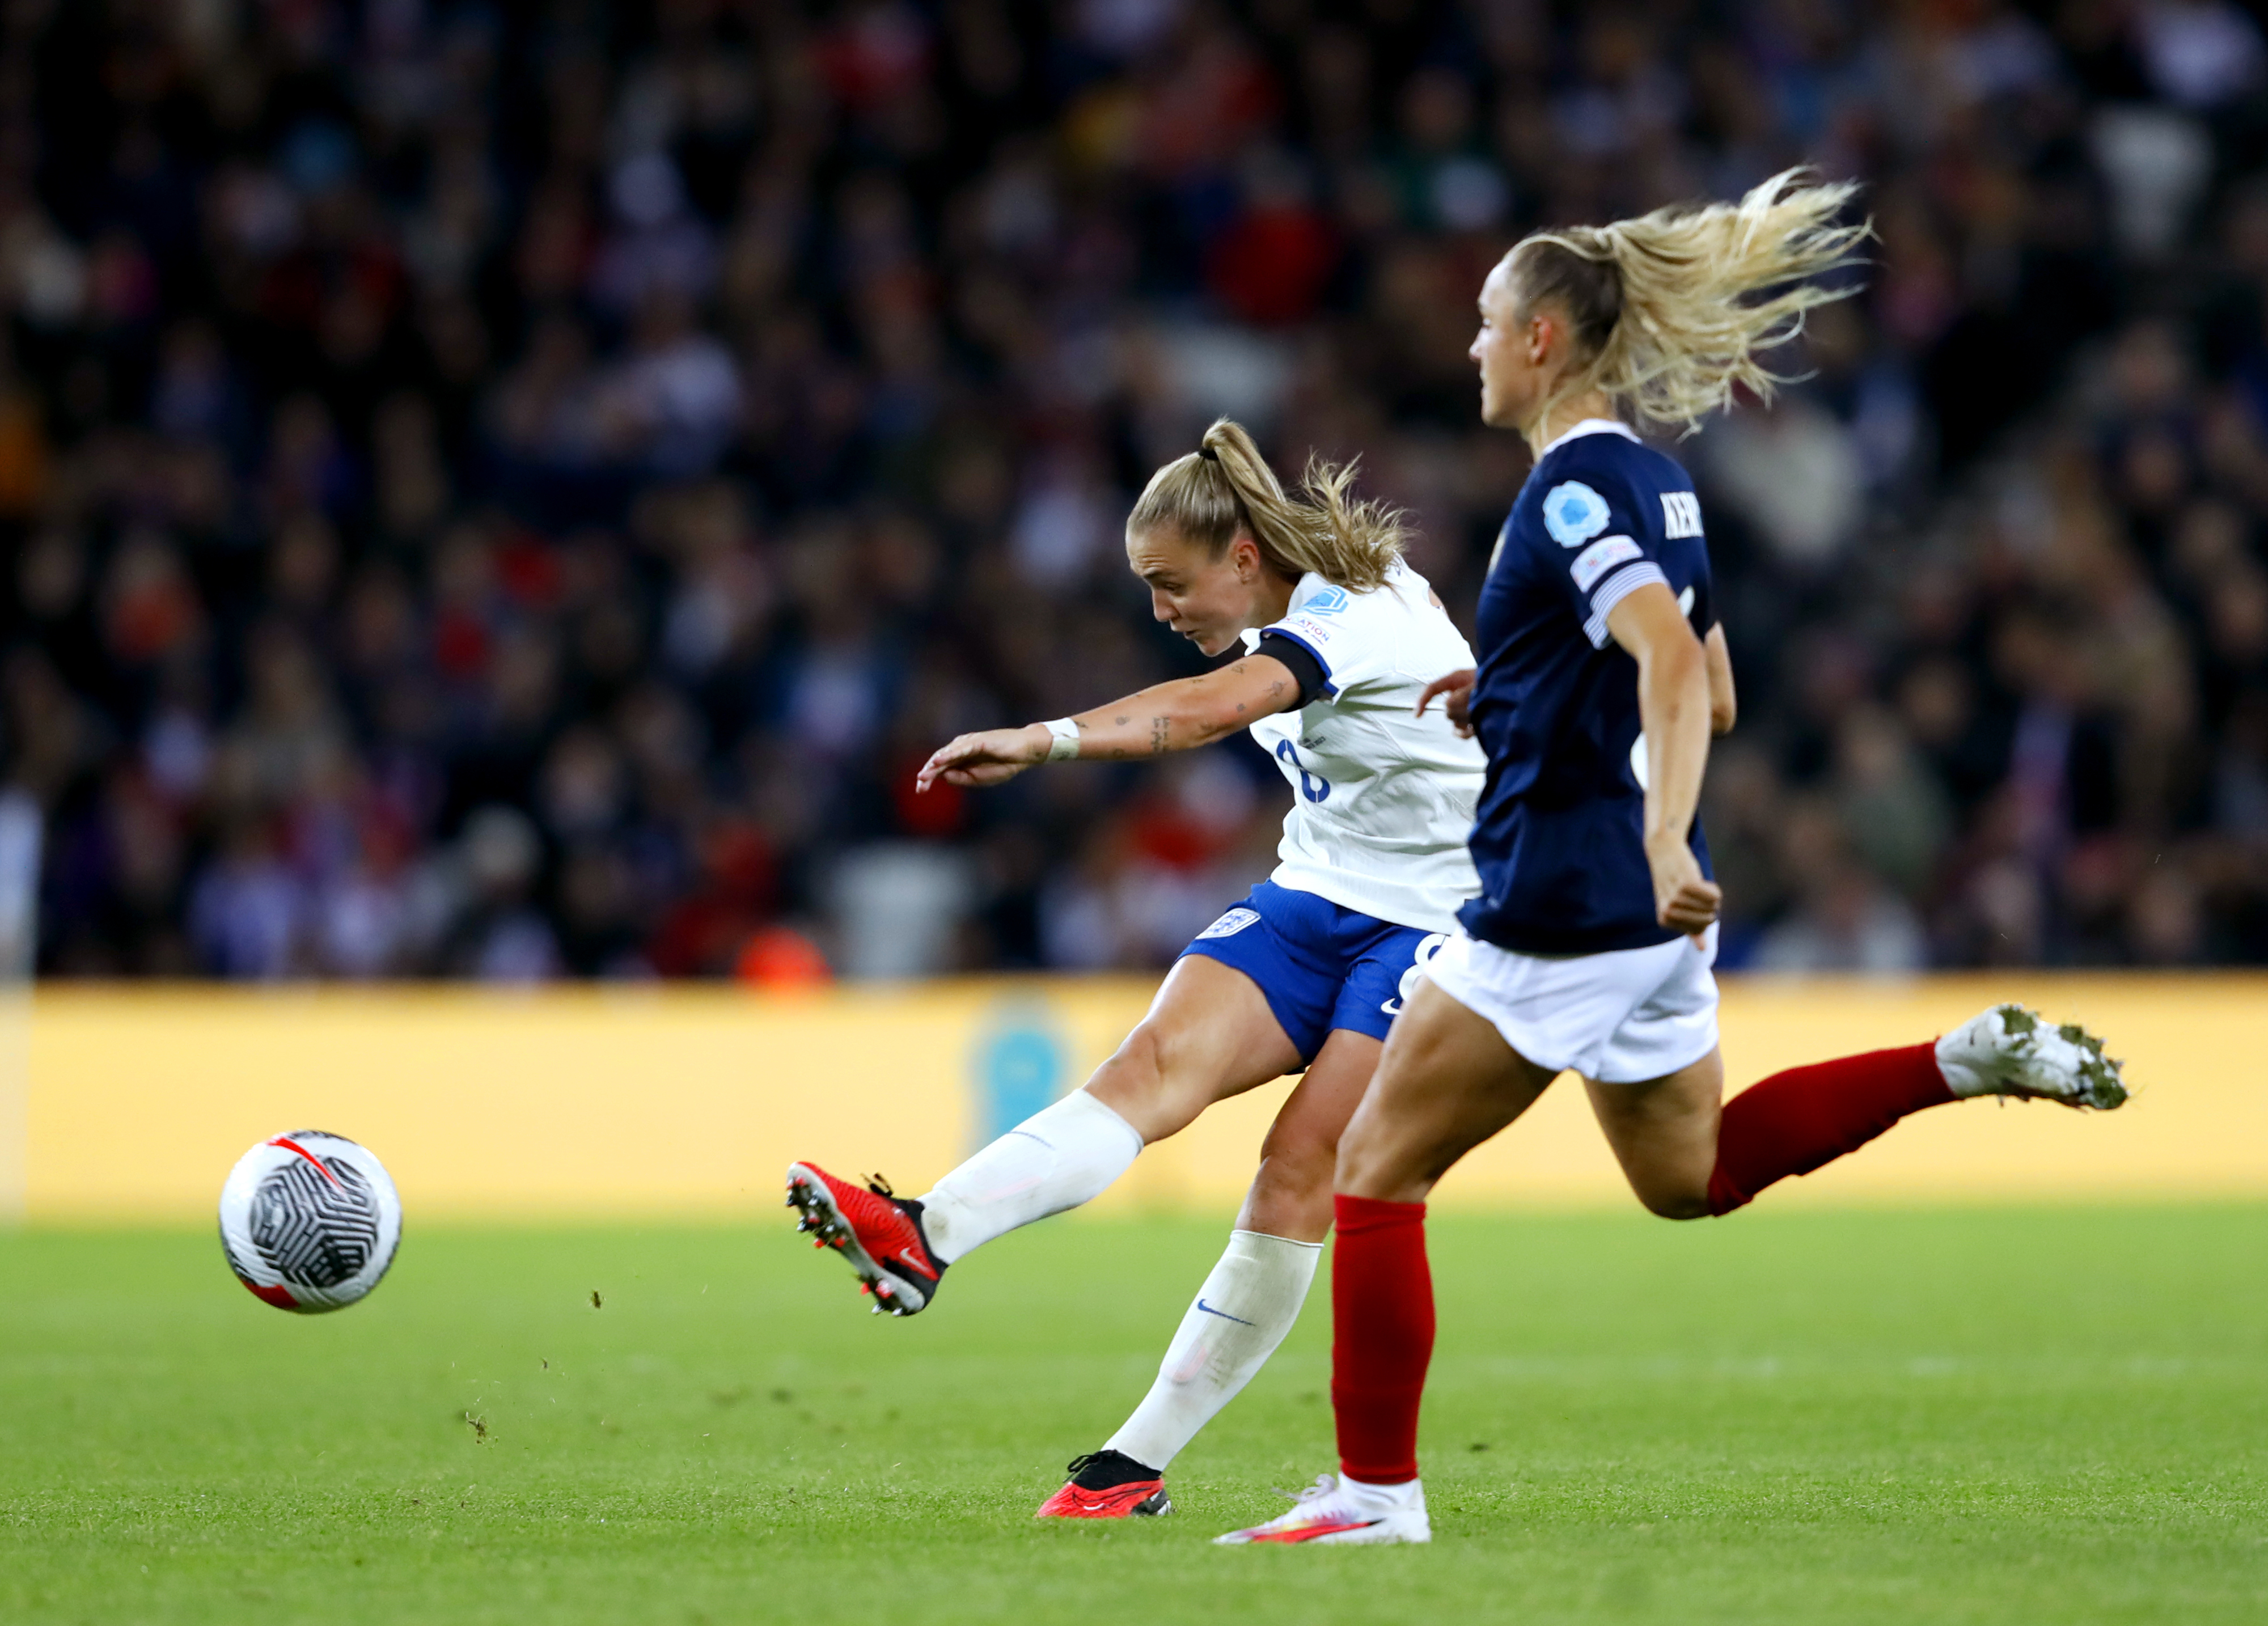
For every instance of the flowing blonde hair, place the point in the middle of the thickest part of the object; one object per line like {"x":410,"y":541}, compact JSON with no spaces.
{"x":1209,"y":496}
{"x":1670,"y":310}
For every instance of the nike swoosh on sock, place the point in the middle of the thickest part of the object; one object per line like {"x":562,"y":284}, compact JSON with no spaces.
{"x":1224,"y":1315}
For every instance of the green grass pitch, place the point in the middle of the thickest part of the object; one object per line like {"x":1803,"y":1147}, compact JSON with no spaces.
{"x":1988,"y":1415}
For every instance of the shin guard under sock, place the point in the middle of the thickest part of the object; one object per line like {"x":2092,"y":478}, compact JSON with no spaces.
{"x":1797,"y":1121}
{"x":1382,"y":1338}
{"x":1241,"y":1314}
{"x":1055,"y":1159}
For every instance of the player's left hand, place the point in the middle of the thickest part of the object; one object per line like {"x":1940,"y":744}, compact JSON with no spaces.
{"x":1458,"y":685}
{"x":993,"y":757}
{"x":1685,"y":900}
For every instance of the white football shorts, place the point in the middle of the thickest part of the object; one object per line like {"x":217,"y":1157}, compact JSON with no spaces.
{"x":1625,"y":1016}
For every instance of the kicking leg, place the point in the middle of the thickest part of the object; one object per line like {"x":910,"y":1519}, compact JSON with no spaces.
{"x":1209,"y":1034}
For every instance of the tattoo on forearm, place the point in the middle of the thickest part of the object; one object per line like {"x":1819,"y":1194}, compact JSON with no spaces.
{"x":1119,"y":721}
{"x":1158,"y":729}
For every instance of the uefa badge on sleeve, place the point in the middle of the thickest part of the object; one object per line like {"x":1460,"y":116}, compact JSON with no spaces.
{"x":1574,"y":513}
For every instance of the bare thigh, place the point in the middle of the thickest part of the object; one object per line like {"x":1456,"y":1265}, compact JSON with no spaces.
{"x":1209,"y":1036}
{"x":1291,"y":1195}
{"x":1664,"y":1133}
{"x":1447,"y":1082}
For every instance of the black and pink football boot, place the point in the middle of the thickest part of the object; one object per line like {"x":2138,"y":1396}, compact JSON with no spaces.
{"x":879,"y":1234}
{"x":1109,"y":1484}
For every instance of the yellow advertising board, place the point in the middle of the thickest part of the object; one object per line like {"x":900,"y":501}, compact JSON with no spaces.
{"x":689,"y":1102}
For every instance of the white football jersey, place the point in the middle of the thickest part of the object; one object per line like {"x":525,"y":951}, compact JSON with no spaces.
{"x":1382,"y":800}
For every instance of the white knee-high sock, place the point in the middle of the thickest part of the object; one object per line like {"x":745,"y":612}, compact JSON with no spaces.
{"x":1242,"y":1313}
{"x":1053,"y":1160}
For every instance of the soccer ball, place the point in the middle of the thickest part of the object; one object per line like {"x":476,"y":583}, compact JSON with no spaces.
{"x":309,"y":1221}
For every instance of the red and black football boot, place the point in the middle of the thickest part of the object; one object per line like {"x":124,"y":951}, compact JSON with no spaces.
{"x":880,"y":1234}
{"x":1107,"y":1484}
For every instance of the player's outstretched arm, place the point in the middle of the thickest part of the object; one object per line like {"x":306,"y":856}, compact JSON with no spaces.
{"x":1180,"y":716}
{"x":1674,"y":710}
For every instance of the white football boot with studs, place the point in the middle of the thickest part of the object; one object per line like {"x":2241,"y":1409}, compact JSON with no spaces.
{"x":1344,"y":1512}
{"x":2010,"y":1051}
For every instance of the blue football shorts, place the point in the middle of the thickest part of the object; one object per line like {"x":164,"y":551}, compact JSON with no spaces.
{"x":1320,"y":966}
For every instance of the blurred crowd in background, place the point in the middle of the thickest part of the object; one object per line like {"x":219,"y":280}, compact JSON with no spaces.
{"x":512,"y":489}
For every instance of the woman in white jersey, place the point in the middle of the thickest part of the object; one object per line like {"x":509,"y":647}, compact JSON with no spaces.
{"x":1341,"y":638}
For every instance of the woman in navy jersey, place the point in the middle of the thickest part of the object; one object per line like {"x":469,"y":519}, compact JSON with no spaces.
{"x":1603,"y":672}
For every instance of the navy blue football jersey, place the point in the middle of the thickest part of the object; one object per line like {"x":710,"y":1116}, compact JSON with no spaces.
{"x":1558,"y":836}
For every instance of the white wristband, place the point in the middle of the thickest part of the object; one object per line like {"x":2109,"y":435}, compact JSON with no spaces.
{"x":1065,"y":747}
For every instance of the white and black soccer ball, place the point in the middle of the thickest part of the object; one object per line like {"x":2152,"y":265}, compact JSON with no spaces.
{"x":309,"y":1221}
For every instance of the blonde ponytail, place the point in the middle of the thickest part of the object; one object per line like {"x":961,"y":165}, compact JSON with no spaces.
{"x":1210,"y":495}
{"x":1671,"y":309}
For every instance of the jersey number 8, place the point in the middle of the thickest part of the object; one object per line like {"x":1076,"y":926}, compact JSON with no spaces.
{"x":1314,"y":789}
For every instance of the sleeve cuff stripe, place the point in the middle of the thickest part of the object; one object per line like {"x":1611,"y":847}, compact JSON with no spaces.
{"x":1613,"y":591}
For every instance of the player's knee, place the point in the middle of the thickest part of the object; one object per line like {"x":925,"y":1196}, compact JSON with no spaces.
{"x":1366,"y":1166}
{"x":1299,"y":1164}
{"x":1292,"y":1193}
{"x":1148,"y":1081}
{"x":1140,"y":1059}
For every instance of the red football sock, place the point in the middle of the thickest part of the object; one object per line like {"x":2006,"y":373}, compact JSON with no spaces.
{"x":1792,"y":1122}
{"x":1381,"y":1336}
